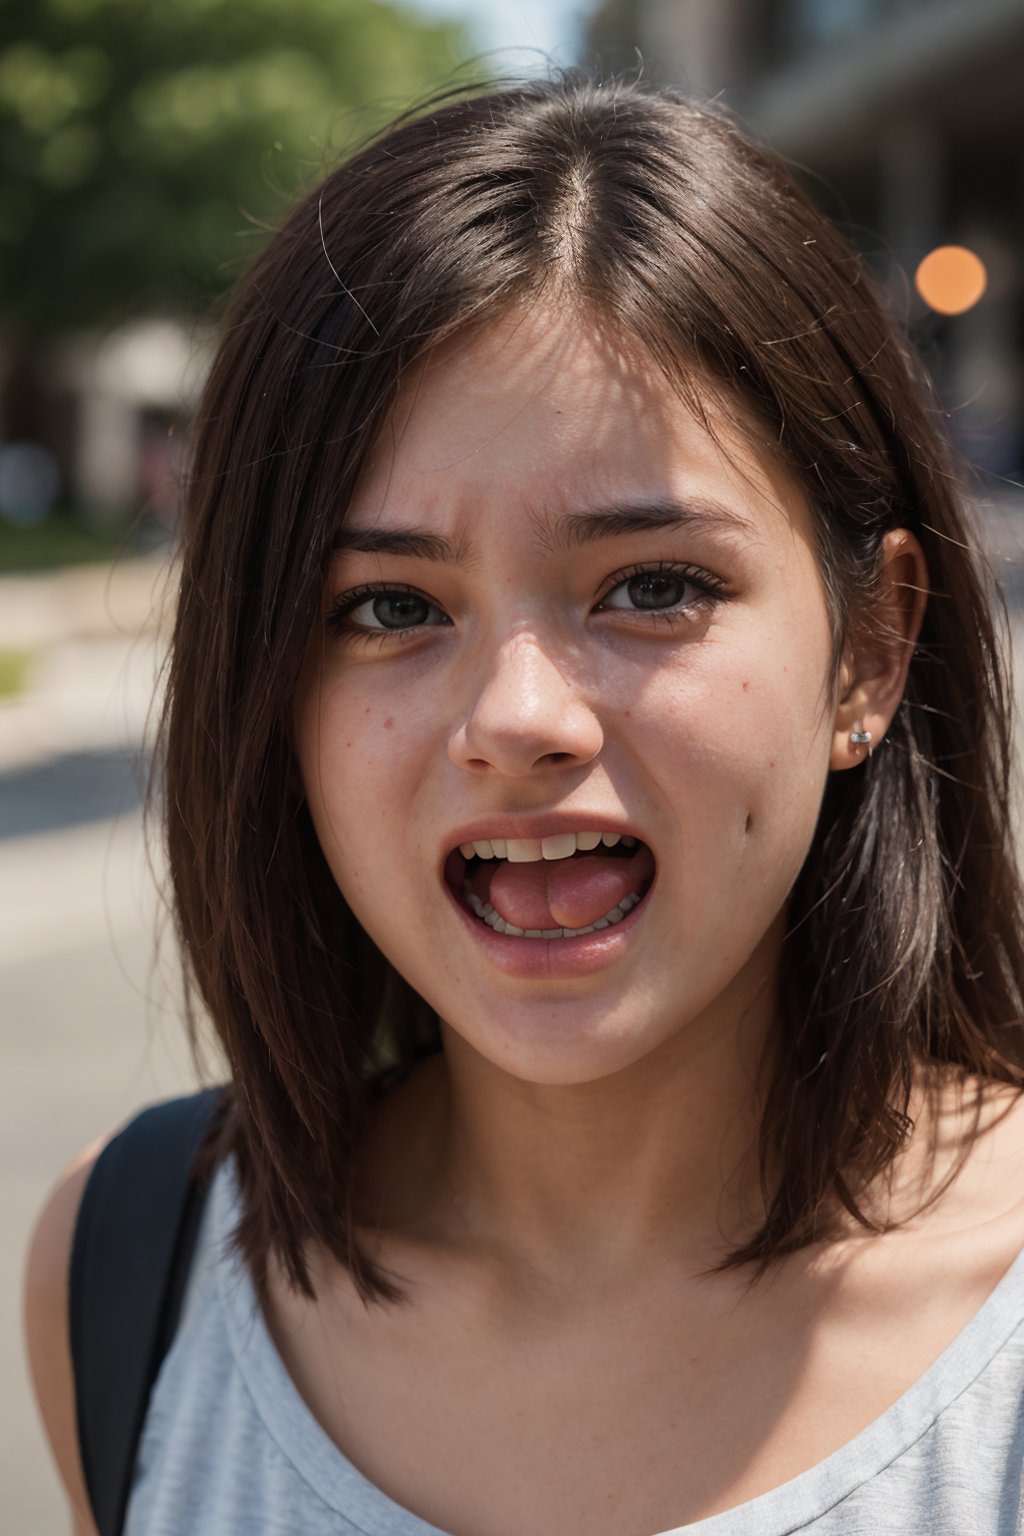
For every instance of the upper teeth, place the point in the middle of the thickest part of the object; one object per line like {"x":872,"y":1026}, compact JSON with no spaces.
{"x":528,"y":850}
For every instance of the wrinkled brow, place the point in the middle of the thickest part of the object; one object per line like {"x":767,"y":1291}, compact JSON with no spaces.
{"x":565,"y":531}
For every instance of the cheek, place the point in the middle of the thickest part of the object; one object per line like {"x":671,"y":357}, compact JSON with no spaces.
{"x":360,"y":763}
{"x":784,"y":800}
{"x":739,"y":751}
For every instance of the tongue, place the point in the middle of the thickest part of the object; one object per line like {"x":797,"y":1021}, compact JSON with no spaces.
{"x":562,"y":893}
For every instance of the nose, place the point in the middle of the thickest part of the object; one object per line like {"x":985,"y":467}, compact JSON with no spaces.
{"x":525,"y":714}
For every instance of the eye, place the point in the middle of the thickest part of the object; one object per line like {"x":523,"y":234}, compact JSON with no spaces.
{"x":664,"y":588}
{"x":379,"y":610}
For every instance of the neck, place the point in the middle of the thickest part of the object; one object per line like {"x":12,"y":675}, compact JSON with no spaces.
{"x":655,"y":1162}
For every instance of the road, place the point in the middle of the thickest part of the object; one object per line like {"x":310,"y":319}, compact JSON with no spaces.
{"x":91,"y":1031}
{"x":90,"y":1015}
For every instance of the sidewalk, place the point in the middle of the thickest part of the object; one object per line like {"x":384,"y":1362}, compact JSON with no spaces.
{"x":92,"y":1005}
{"x":98,"y":636}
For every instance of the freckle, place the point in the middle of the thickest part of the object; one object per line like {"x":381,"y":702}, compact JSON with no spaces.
{"x":348,"y":743}
{"x":389,"y":722}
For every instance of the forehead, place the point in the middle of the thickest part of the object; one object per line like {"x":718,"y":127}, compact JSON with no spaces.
{"x":547,"y":411}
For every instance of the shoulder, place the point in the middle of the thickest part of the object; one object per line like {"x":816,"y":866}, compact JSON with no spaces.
{"x":140,"y":1192}
{"x":46,"y":1326}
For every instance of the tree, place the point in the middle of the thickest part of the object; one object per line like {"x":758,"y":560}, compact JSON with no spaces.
{"x":146,"y":148}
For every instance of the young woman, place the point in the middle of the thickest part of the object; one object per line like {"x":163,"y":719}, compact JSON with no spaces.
{"x":586,"y":786}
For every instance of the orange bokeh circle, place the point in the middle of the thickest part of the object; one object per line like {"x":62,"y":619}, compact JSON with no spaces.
{"x":951,"y":279}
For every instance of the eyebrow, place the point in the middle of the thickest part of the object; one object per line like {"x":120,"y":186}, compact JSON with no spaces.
{"x":578,"y":528}
{"x":399,"y":541}
{"x":566,"y":532}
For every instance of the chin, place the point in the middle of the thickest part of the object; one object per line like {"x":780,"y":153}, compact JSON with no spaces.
{"x":560,"y":1044}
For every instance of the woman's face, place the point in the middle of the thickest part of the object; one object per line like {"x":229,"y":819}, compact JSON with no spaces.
{"x":559,"y":607}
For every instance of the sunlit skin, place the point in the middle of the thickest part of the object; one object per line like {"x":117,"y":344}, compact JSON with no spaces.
{"x":600,"y":1110}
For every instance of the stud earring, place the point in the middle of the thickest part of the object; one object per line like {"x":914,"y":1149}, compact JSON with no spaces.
{"x":859,"y":738}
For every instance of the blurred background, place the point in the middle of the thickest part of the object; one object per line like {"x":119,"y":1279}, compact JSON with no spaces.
{"x":145,"y":151}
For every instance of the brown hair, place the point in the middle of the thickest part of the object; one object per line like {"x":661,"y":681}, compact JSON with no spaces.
{"x":905,"y":938}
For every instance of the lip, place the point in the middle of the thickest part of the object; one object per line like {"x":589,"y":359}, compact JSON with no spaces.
{"x":546,"y":959}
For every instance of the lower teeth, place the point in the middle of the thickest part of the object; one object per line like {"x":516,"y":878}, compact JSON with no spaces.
{"x":485,"y":911}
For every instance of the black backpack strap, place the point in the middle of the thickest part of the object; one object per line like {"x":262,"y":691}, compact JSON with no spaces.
{"x":133,"y":1241}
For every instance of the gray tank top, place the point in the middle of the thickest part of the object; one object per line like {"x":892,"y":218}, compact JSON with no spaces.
{"x":229,"y":1447}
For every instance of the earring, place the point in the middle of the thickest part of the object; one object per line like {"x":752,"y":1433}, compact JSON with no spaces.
{"x":859,"y":738}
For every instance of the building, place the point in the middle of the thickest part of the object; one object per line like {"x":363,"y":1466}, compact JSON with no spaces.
{"x":907,"y":116}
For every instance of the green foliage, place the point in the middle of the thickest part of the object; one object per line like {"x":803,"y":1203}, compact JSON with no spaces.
{"x":147,"y":147}
{"x":69,"y":538}
{"x":14,"y":666}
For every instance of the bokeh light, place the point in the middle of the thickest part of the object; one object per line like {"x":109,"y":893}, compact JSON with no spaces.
{"x":951,"y":279}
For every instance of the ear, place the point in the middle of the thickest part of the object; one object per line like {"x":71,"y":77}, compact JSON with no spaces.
{"x":873,"y":672}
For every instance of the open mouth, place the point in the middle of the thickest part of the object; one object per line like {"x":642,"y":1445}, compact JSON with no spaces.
{"x":561,"y":887}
